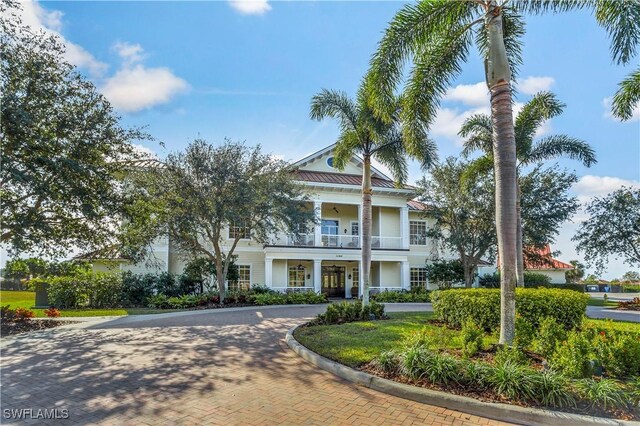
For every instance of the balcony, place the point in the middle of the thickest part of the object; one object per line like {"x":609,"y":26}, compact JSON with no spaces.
{"x":336,"y":241}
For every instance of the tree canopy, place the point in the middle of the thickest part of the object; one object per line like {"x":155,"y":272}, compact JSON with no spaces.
{"x":613,"y":229}
{"x":62,"y":146}
{"x":208,"y":198}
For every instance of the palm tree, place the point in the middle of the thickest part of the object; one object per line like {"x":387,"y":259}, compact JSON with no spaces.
{"x":543,"y":106}
{"x":362,"y":133}
{"x":436,"y":36}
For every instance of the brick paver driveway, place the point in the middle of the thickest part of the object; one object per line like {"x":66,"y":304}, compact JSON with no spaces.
{"x":206,"y":367}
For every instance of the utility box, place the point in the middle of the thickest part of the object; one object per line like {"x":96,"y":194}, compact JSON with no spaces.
{"x":42,"y":295}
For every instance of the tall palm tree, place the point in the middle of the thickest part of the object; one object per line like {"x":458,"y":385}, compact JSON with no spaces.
{"x":436,"y":36}
{"x":362,"y":133}
{"x":543,"y":106}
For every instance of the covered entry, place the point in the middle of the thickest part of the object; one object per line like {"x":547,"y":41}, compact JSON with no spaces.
{"x":333,"y":281}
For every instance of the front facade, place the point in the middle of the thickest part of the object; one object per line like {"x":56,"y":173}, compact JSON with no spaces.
{"x":329,"y":259}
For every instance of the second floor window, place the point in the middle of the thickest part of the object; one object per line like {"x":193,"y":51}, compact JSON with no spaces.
{"x":418,"y":233}
{"x":239,"y":231}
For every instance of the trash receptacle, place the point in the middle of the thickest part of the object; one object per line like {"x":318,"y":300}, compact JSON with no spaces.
{"x":42,"y":295}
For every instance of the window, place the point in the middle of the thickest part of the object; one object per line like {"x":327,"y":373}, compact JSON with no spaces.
{"x":355,"y":277}
{"x":244,"y":278}
{"x":418,"y":277}
{"x":355,"y":228}
{"x":418,"y":233}
{"x":329,"y":227}
{"x":296,"y":276}
{"x":330,"y":162}
{"x":242,"y":231}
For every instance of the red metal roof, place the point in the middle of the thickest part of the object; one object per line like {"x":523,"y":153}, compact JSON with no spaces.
{"x":342,"y":179}
{"x":417,"y":205}
{"x":548,"y":263}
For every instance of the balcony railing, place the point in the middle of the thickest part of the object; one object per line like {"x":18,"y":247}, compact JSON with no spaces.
{"x":386,"y":242}
{"x":336,"y":241}
{"x":300,"y":240}
{"x":344,"y":241}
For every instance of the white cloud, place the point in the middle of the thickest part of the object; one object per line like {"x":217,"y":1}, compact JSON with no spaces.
{"x":134,"y":87}
{"x":251,"y":7}
{"x":598,"y":186}
{"x":130,"y":53}
{"x":50,"y":21}
{"x":449,"y":120}
{"x":606,"y":103}
{"x":469,"y":94}
{"x":532,"y":85}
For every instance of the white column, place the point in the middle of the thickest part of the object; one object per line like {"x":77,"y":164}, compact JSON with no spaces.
{"x":404,"y":226}
{"x":405,"y":277}
{"x":268,"y":272}
{"x":317,"y":276}
{"x":360,"y":279}
{"x":317,"y":206}
{"x":360,"y":224}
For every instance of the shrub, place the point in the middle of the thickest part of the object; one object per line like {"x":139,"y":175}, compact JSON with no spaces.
{"x":261,"y":289}
{"x":69,"y":291}
{"x":417,"y":296}
{"x":536,"y":279}
{"x":483,"y":306}
{"x":515,"y":381}
{"x":476,"y":375}
{"x":166,"y":283}
{"x":604,"y":393}
{"x":630,"y":305}
{"x":136,"y":289}
{"x":427,"y":337}
{"x":524,"y":332}
{"x":456,"y":306}
{"x":52,"y":312}
{"x":554,"y":390}
{"x":389,"y":362}
{"x":618,"y":352}
{"x":471,"y":336}
{"x":548,"y":336}
{"x":158,"y":301}
{"x":17,"y":314}
{"x":571,"y":357}
{"x":510,"y":355}
{"x":268,"y":299}
{"x":305,"y":298}
{"x":414,"y":361}
{"x":338,"y":313}
{"x":105,"y":289}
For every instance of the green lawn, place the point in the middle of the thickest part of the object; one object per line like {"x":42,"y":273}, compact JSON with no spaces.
{"x":357,"y":343}
{"x":600,"y":302}
{"x":27,"y":299}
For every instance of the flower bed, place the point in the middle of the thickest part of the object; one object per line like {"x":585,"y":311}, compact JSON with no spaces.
{"x":589,"y":370}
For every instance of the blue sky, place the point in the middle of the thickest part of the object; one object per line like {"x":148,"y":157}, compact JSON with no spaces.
{"x":247,"y":71}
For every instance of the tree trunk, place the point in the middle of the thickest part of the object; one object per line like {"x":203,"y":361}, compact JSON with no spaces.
{"x":220,"y":277}
{"x":366,"y":228}
{"x":504,"y":148}
{"x":519,"y":247}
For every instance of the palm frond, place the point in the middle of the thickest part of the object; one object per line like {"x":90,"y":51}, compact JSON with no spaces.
{"x":392,"y":155}
{"x":556,"y":146}
{"x":627,"y":98}
{"x":476,"y":168}
{"x":621,"y":20}
{"x":414,"y":26}
{"x":347,"y":144}
{"x":478,"y":130}
{"x":538,"y":7}
{"x":435,"y":68}
{"x":542,"y":107}
{"x":335,"y":104}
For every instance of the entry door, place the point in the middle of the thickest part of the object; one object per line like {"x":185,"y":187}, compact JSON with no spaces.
{"x":333,"y":281}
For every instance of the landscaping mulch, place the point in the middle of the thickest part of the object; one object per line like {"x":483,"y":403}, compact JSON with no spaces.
{"x":9,"y":328}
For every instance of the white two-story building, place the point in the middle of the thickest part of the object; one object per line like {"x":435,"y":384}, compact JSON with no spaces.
{"x":329,"y":259}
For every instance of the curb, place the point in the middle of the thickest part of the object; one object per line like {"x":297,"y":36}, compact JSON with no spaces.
{"x":496,"y":411}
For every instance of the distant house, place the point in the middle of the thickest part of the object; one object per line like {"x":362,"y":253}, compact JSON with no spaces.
{"x":547,"y":265}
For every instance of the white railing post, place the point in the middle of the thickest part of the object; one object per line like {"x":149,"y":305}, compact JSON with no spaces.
{"x":317,"y":206}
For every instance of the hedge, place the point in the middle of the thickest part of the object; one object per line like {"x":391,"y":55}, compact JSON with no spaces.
{"x":483,"y":306}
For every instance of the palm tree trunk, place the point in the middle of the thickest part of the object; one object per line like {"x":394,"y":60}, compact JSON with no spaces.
{"x":366,"y":228}
{"x":519,"y":247}
{"x":504,"y":147}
